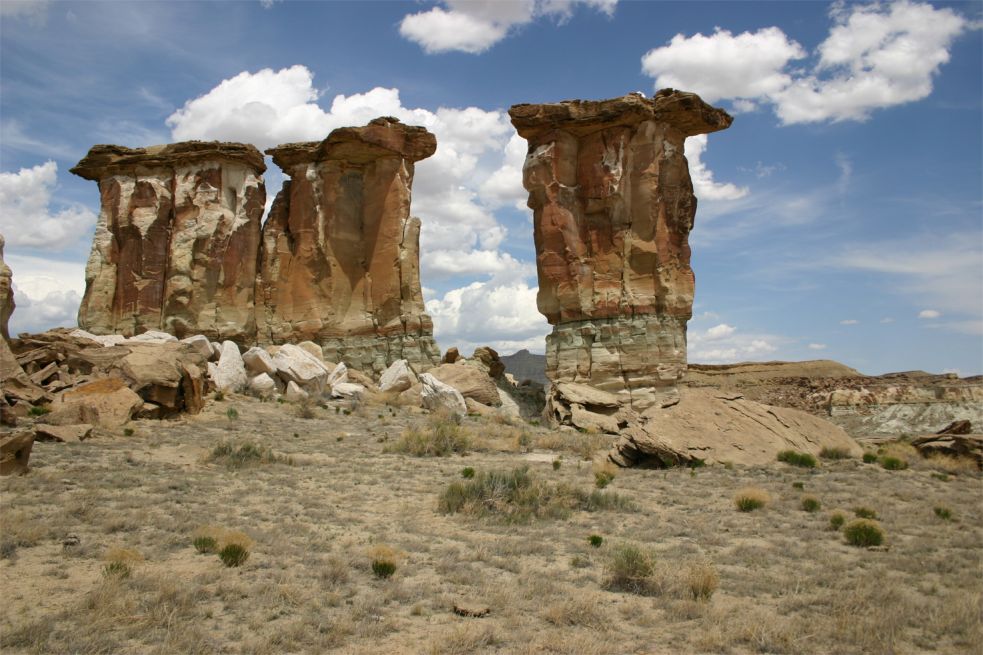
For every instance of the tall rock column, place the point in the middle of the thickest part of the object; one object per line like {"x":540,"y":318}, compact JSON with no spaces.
{"x":6,"y":295}
{"x":340,"y":257}
{"x":613,"y":206}
{"x":176,"y":239}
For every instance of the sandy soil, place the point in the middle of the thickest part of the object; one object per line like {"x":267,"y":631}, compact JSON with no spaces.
{"x":787,"y":583}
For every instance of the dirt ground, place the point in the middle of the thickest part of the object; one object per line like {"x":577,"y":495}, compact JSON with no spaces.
{"x":330,"y":494}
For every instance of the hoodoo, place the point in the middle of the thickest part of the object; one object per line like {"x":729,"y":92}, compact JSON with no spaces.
{"x":340,"y":260}
{"x":613,"y":206}
{"x":176,"y":239}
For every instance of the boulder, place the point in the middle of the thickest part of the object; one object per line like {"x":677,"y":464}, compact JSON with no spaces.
{"x":229,"y":374}
{"x":412,"y":397}
{"x":102,"y":339}
{"x":111,"y":398}
{"x":713,"y":427}
{"x":294,"y":394}
{"x":398,"y":377}
{"x":953,"y":444}
{"x":490,"y":361}
{"x":15,"y":451}
{"x":14,"y":383}
{"x":168,"y":374}
{"x":347,"y":390}
{"x":62,"y":433}
{"x":451,"y":356}
{"x":153,"y":336}
{"x":262,"y":386}
{"x":312,"y":348}
{"x":471,"y":381}
{"x":258,"y":361}
{"x":294,"y":364}
{"x":338,"y":375}
{"x":437,"y":395}
{"x":200,"y":344}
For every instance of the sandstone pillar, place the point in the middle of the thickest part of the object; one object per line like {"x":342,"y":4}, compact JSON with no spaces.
{"x":176,"y":239}
{"x":613,"y":206}
{"x":340,"y":260}
{"x":6,"y":295}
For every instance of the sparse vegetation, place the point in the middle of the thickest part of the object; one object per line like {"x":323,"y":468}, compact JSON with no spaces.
{"x":307,"y":408}
{"x":810,"y":503}
{"x":205,"y":544}
{"x":556,"y":465}
{"x":834,"y":453}
{"x":383,"y":560}
{"x":467,"y":472}
{"x":39,"y":410}
{"x":798,"y":485}
{"x":604,"y":474}
{"x":117,"y":569}
{"x":869,"y":458}
{"x":803,"y":460}
{"x":864,"y":512}
{"x":630,"y":568}
{"x":893,"y":463}
{"x":243,"y":455}
{"x":233,"y":555}
{"x":443,"y":436}
{"x":516,"y":497}
{"x":863,"y":533}
{"x":702,"y":580}
{"x":751,"y":498}
{"x":232,"y":414}
{"x":128,"y":432}
{"x":943,"y":512}
{"x":836,"y":519}
{"x":595,"y":540}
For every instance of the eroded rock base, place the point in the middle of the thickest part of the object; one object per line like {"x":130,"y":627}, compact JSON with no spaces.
{"x":372,"y":353}
{"x":638,"y":359}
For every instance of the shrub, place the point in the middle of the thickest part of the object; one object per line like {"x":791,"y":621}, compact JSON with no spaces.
{"x":117,"y":569}
{"x":869,"y":458}
{"x":837,"y":519}
{"x":863,"y":533}
{"x":864,"y":512}
{"x":128,"y":432}
{"x":630,"y":568}
{"x":442,"y":437}
{"x":810,"y":503}
{"x":834,"y":453}
{"x":702,"y":580}
{"x":307,"y":409}
{"x":604,"y":474}
{"x":243,"y":455}
{"x":467,"y":473}
{"x":893,"y":463}
{"x":751,"y":498}
{"x":383,"y":560}
{"x":516,"y":497}
{"x":595,"y":540}
{"x":232,"y":413}
{"x":233,"y":554}
{"x":943,"y":512}
{"x":940,"y":476}
{"x":804,"y":460}
{"x":798,"y":485}
{"x":556,"y":465}
{"x":219,"y":395}
{"x":205,"y":544}
{"x":38,"y":410}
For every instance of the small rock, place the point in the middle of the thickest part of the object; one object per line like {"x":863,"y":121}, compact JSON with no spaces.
{"x":471,"y":610}
{"x":62,"y":433}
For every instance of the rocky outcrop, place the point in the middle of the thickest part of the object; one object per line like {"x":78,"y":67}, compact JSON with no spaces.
{"x":613,"y":206}
{"x":6,"y":295}
{"x":339,"y":263}
{"x":176,"y":239}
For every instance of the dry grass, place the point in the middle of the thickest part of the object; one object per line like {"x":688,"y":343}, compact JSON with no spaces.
{"x":749,"y":499}
{"x":443,"y":436}
{"x":702,"y":580}
{"x":787,"y":584}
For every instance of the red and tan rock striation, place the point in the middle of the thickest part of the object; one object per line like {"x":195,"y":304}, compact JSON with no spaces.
{"x":613,"y":207}
{"x":339,"y":262}
{"x":176,"y":240}
{"x":6,"y":295}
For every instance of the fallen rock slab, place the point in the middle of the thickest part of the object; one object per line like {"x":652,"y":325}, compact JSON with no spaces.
{"x":112,"y":400}
{"x":229,"y":374}
{"x":470,"y":380}
{"x":15,"y":451}
{"x":953,"y":445}
{"x":437,"y":395}
{"x":62,"y":433}
{"x":710,"y":427}
{"x":398,"y":377}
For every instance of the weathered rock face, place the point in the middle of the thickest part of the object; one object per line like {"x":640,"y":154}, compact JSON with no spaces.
{"x":613,"y":207}
{"x":6,"y":294}
{"x":339,"y":261}
{"x":176,"y":240}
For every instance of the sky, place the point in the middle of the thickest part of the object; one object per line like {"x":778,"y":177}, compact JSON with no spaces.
{"x":838,"y":218}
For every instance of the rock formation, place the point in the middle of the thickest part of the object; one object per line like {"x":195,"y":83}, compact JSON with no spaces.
{"x":340,"y":254}
{"x":176,"y":240}
{"x":613,"y":206}
{"x":6,"y":295}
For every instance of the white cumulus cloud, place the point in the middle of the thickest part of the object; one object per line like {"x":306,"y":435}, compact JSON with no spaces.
{"x":876,"y":55}
{"x":704,"y":186}
{"x":929,"y":313}
{"x":47,"y":292}
{"x":474,"y":26}
{"x":27,"y":218}
{"x":720,"y":331}
{"x":817,"y":346}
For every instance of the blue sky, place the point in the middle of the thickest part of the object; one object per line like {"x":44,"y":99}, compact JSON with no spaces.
{"x":839,"y":217}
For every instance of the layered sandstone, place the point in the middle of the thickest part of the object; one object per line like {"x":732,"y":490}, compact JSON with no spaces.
{"x":6,"y":295}
{"x":339,"y":259}
{"x":176,"y":239}
{"x":613,"y":206}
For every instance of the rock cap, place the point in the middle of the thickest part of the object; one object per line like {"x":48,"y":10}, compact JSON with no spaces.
{"x":104,"y":160}
{"x":687,"y":112}
{"x":381,"y":137}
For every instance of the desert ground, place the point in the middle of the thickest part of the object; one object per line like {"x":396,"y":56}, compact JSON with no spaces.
{"x":99,"y":555}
